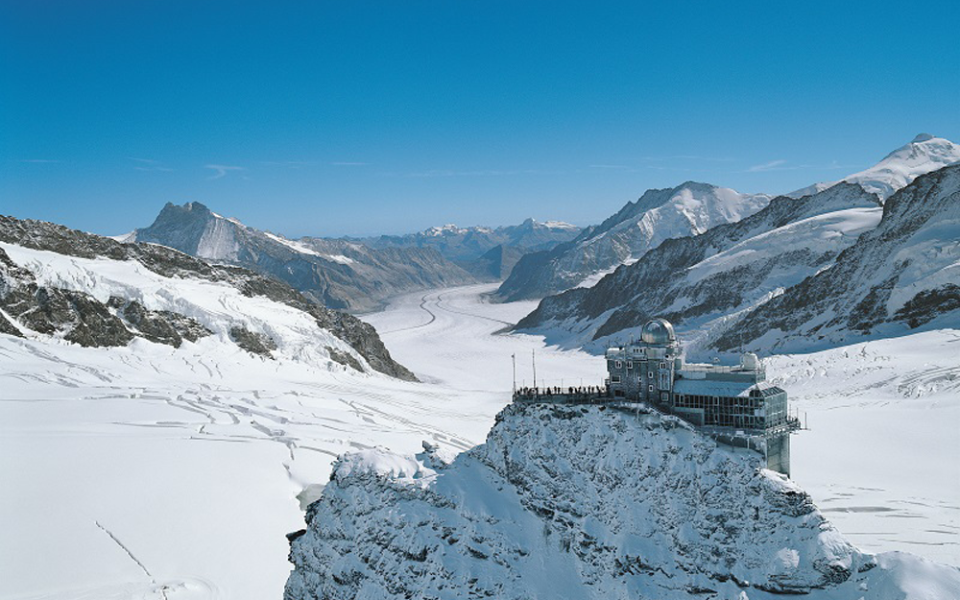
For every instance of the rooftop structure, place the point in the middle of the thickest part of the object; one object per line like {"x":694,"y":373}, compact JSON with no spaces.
{"x":733,"y":404}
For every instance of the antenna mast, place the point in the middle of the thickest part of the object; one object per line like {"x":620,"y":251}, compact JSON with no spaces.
{"x":534,"y":354}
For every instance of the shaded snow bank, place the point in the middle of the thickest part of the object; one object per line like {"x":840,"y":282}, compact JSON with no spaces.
{"x":584,"y":502}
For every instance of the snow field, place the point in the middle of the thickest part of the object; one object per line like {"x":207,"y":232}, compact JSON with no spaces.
{"x":194,"y":462}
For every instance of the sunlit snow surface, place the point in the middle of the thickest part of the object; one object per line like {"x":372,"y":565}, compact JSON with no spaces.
{"x":146,"y":471}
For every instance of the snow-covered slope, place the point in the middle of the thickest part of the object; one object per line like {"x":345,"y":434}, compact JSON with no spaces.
{"x":698,"y":281}
{"x":94,"y":291}
{"x":339,"y":274}
{"x":638,"y":227}
{"x":903,"y":275}
{"x":925,"y":153}
{"x":583,"y":502}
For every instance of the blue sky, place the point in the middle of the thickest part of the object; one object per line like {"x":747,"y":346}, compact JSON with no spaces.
{"x":355,"y":118}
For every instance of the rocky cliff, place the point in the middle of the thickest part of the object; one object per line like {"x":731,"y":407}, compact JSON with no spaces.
{"x":584,"y":502}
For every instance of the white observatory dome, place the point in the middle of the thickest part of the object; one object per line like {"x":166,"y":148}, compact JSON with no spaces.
{"x":659,"y":332}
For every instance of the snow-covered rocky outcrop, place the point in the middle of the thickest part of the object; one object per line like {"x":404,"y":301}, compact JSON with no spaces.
{"x":97,"y":292}
{"x":925,"y":153}
{"x":638,"y":227}
{"x":339,"y":274}
{"x":698,"y":282}
{"x":902,"y":276}
{"x":585,"y":502}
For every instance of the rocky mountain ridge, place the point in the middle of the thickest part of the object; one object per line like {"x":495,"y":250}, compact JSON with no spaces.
{"x":95,"y":291}
{"x":697,"y":281}
{"x":339,"y":274}
{"x":902,"y":276}
{"x":584,"y":502}
{"x":637,"y":228}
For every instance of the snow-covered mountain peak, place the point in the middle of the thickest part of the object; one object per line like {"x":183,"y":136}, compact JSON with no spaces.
{"x":448,"y":229}
{"x":925,"y":153}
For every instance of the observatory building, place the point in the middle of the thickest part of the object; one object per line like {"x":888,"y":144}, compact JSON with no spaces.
{"x":728,"y":402}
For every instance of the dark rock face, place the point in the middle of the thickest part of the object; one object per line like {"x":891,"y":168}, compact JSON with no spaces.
{"x":54,"y":310}
{"x":81,"y":318}
{"x":852,"y":296}
{"x":8,"y":328}
{"x":929,"y":304}
{"x":496,"y":264}
{"x":344,"y":359}
{"x":159,"y":326}
{"x":657,"y":285}
{"x":255,"y":343}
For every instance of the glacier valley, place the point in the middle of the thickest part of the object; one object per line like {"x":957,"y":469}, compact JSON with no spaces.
{"x":150,"y":471}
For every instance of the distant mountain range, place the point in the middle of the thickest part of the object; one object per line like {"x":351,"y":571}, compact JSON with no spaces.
{"x":352,"y":274}
{"x":470,"y":243}
{"x":803,"y":273}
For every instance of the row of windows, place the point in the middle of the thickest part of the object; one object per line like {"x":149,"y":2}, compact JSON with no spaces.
{"x":619,"y":365}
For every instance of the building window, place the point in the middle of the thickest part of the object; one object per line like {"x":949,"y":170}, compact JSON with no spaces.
{"x":649,"y":374}
{"x":650,"y":387}
{"x":619,"y":364}
{"x":629,"y":365}
{"x":663,"y":365}
{"x":615,"y":379}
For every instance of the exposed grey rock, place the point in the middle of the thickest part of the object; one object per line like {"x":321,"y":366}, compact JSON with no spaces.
{"x":344,"y":359}
{"x":159,"y":326}
{"x":15,"y":287}
{"x":9,"y":328}
{"x":496,"y":264}
{"x":880,"y":281}
{"x":255,"y":343}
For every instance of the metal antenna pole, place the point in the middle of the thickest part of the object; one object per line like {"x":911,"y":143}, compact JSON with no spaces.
{"x":534,"y":354}
{"x":514,"y":357}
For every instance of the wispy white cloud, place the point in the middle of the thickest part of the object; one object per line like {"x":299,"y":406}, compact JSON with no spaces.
{"x":221,"y":170}
{"x":148,"y":164}
{"x":784,"y":165}
{"x":773,"y":165}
